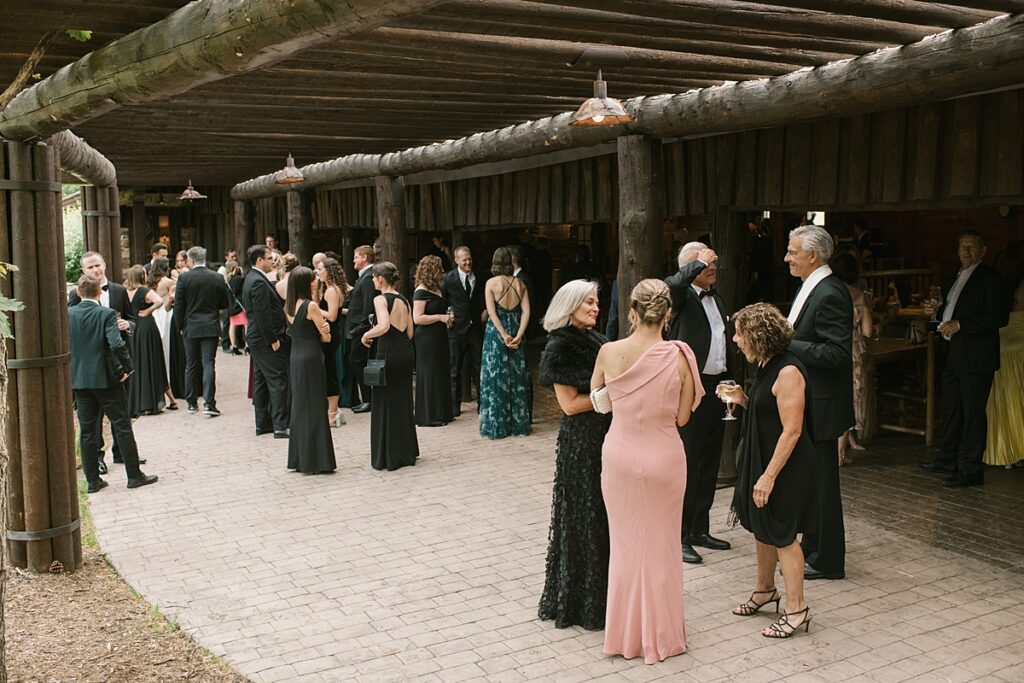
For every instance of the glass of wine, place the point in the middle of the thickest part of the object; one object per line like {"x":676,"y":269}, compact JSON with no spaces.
{"x":934,"y":302}
{"x":724,"y":391}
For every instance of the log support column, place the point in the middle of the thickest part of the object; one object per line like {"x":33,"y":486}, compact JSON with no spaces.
{"x":39,"y":432}
{"x":245,"y":227}
{"x":101,"y":227}
{"x":300,"y":226}
{"x":140,"y":227}
{"x":115,"y":264}
{"x":641,"y":214}
{"x":391,"y":220}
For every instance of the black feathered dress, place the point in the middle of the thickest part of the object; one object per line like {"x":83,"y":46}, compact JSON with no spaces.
{"x":576,"y":583}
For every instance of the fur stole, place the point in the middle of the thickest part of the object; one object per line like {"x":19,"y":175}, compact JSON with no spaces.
{"x":569,"y":357}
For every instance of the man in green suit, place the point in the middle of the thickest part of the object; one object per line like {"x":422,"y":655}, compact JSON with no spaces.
{"x":100,"y":363}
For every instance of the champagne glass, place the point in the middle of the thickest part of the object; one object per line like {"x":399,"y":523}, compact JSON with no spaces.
{"x":934,"y":302}
{"x":451,"y":316}
{"x":724,"y":391}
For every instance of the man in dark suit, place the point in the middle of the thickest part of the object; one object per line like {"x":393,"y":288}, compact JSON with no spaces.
{"x":699,"y":319}
{"x":100,"y":364}
{"x":159,"y":251}
{"x":465,"y":293}
{"x":822,"y":319}
{"x":200,"y":296}
{"x":976,"y":306}
{"x":359,"y":309}
{"x":266,"y":339}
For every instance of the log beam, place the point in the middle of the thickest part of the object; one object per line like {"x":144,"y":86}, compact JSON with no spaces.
{"x":81,"y":160}
{"x":904,"y":11}
{"x":961,"y":62}
{"x":202,"y":42}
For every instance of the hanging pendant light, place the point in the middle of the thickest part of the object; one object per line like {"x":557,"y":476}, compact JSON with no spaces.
{"x":289,"y":174}
{"x":190,"y":193}
{"x":601,"y":110}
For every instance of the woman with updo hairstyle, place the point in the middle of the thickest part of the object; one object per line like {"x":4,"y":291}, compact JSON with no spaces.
{"x":776,"y":464}
{"x":284,"y":264}
{"x":148,"y":390}
{"x":433,"y":316}
{"x":654,"y":386}
{"x":393,"y":441}
{"x":505,"y":408}
{"x":576,"y":581}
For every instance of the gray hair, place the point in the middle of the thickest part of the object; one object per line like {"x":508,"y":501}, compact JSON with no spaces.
{"x":197,"y":255}
{"x":817,"y":240}
{"x":689,"y":252}
{"x":565,"y":302}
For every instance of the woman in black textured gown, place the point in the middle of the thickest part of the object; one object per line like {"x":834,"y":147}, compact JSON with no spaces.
{"x":329,"y":277}
{"x":147,"y":388}
{"x":393,"y":441}
{"x":576,"y":582}
{"x":432,"y":316}
{"x":775,"y":464}
{"x":310,"y":449}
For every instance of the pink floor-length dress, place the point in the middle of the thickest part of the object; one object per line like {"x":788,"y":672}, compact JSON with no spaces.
{"x":643,"y":479}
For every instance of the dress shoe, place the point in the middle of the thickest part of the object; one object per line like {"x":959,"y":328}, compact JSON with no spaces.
{"x":810,"y":574}
{"x":261,"y":432}
{"x":97,"y":485}
{"x":211,"y":411}
{"x":690,"y":555}
{"x":142,"y":480}
{"x":282,"y":434}
{"x":361,"y":408}
{"x":120,"y":461}
{"x":709,"y":541}
{"x":936,"y":467}
{"x":101,"y":465}
{"x":959,"y":481}
{"x":193,"y":408}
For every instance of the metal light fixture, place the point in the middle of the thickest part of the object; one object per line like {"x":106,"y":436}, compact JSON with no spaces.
{"x":289,"y":174}
{"x":601,"y":110}
{"x":189,"y":194}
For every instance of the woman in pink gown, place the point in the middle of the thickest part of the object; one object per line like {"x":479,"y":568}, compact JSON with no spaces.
{"x":643,"y":478}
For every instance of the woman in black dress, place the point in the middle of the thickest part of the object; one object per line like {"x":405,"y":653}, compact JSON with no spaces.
{"x":310,"y":449}
{"x":329,"y":277}
{"x":775,"y":463}
{"x":576,"y":583}
{"x":393,"y":441}
{"x":432,"y":316}
{"x":147,"y":388}
{"x":176,"y":345}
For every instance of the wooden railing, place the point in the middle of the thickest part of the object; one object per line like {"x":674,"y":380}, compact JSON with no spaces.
{"x":911,"y":283}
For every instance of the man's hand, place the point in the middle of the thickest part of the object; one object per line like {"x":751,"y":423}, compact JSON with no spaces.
{"x":707,"y":255}
{"x":122,"y":324}
{"x":122,"y":378}
{"x":948,"y":329}
{"x":276,"y":345}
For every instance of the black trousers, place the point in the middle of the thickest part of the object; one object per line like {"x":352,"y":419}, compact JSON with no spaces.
{"x":91,"y":406}
{"x":357,"y":357}
{"x":702,"y":438}
{"x":825,"y":547}
{"x":463,"y":347}
{"x":964,"y":422}
{"x":270,"y":396}
{"x":201,"y":370}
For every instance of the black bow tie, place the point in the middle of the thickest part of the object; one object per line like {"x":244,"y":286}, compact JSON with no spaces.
{"x":106,"y":287}
{"x":706,"y":292}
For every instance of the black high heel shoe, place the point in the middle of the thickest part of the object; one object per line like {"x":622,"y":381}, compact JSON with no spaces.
{"x":752,"y":606}
{"x":781,"y":628}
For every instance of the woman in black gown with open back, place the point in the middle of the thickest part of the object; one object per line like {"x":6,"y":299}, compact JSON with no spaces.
{"x":431,"y":314}
{"x":310,"y":448}
{"x":393,"y":441}
{"x":147,"y":388}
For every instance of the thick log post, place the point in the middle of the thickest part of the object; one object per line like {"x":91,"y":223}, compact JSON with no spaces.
{"x":116,"y":265}
{"x":641,"y":213}
{"x":391,"y":220}
{"x":90,"y":236}
{"x":245,"y":226}
{"x":300,"y":226}
{"x":139,"y":227}
{"x":103,"y":245}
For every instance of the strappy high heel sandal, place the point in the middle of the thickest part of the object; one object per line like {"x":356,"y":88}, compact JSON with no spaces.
{"x":781,"y":628}
{"x":752,"y":606}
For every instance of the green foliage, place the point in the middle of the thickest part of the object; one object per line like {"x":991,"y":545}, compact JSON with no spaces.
{"x":81,"y":35}
{"x":6,"y":304}
{"x":73,"y":250}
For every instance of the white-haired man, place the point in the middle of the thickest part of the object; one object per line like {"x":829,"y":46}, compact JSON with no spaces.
{"x":822,"y":320}
{"x":699,"y":319}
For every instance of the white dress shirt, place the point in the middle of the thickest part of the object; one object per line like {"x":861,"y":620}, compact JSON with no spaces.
{"x":715,"y":364}
{"x":105,"y":294}
{"x":954,"y":292}
{"x":463,"y":276}
{"x":805,"y":291}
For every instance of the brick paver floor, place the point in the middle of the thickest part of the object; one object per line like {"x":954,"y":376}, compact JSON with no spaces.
{"x":433,"y":572}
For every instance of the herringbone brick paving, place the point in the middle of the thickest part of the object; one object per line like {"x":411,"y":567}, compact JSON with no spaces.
{"x":433,"y":572}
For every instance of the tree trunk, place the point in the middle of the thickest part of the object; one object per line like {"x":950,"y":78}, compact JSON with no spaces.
{"x":391,"y":219}
{"x":641,"y":213}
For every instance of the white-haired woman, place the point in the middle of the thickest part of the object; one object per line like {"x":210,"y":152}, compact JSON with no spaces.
{"x":576,"y":584}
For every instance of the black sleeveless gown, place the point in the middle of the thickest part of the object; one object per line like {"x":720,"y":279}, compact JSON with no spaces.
{"x":310,"y":448}
{"x":790,"y":508}
{"x":330,"y":350}
{"x":393,"y":441}
{"x":146,"y":387}
{"x":433,"y":377}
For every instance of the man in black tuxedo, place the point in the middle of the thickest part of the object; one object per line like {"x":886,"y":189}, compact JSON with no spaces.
{"x":822,"y":319}
{"x":976,"y":306}
{"x":465,"y":293}
{"x":159,"y":251}
{"x":100,"y":364}
{"x":359,"y":309}
{"x":266,"y":339}
{"x":200,"y":296}
{"x":699,"y":319}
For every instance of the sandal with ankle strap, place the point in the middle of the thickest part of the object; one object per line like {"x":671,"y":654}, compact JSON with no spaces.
{"x":752,"y":606}
{"x":781,"y":628}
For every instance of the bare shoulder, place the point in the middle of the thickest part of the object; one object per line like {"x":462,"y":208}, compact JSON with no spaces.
{"x":790,"y":379}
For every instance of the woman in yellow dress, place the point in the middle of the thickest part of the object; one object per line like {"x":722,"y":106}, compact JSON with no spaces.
{"x":1005,"y":444}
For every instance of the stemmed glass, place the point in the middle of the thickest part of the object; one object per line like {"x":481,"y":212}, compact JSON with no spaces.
{"x":934,"y":302}
{"x":724,"y":391}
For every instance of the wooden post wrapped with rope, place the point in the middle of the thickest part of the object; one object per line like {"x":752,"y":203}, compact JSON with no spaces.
{"x":44,"y":500}
{"x":115,"y":265}
{"x":90,"y":238}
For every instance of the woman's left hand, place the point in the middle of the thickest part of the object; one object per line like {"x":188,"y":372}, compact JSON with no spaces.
{"x":366,"y":341}
{"x":763,"y":489}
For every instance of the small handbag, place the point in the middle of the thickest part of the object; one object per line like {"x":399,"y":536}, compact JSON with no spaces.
{"x":374,"y":374}
{"x":601,"y":400}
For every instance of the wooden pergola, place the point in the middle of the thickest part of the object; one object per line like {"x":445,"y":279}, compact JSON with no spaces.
{"x":420,"y":114}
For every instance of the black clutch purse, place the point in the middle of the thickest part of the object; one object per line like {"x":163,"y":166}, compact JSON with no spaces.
{"x":374,"y":374}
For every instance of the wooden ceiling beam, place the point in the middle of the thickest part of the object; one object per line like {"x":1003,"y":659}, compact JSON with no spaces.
{"x":80,"y":159}
{"x":202,"y":42}
{"x":903,"y":11}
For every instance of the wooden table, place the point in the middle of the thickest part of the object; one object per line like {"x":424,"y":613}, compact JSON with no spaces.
{"x":888,"y":350}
